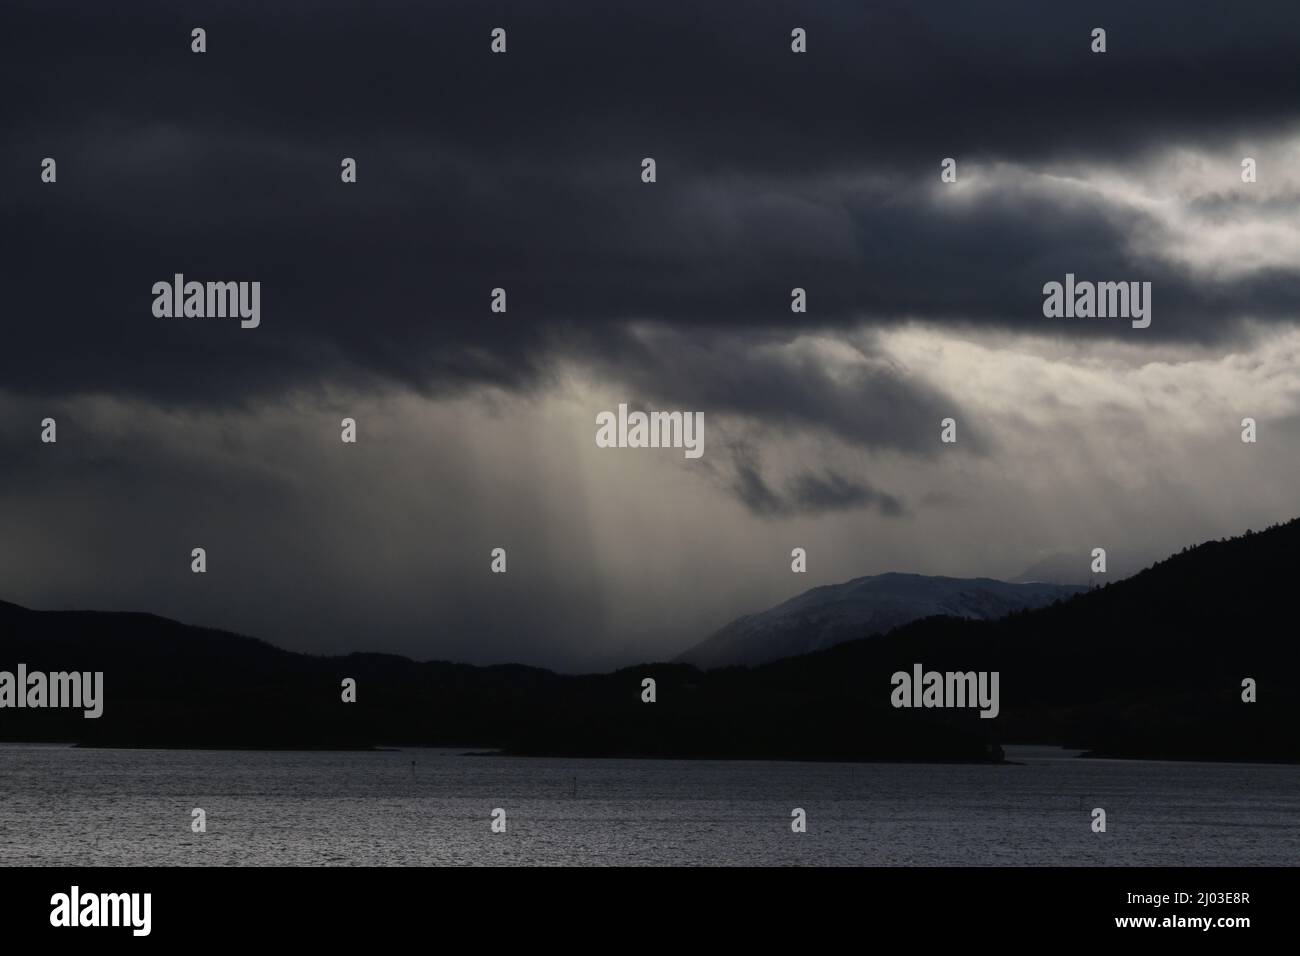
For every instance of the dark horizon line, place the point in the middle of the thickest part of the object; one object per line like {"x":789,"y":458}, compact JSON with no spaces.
{"x":671,"y":661}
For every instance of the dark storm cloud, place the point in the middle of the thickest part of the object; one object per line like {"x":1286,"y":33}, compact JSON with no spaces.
{"x":808,"y":493}
{"x":883,"y":81}
{"x":521,"y":171}
{"x":792,"y":387}
{"x":833,"y":492}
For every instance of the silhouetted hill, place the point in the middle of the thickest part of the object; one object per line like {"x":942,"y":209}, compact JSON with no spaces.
{"x":168,"y":685}
{"x":1149,"y":666}
{"x":831,"y":614}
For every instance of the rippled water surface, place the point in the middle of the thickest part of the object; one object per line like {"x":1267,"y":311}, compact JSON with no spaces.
{"x":61,"y":805}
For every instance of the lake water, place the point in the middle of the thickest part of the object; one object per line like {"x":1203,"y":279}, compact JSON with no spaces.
{"x":60,"y":805}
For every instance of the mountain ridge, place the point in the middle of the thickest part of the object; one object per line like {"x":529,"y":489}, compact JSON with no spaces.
{"x":830,"y":614}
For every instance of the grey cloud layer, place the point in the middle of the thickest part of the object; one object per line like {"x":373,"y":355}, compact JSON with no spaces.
{"x":522,"y":171}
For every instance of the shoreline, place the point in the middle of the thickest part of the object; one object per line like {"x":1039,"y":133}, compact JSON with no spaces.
{"x":1011,"y":759}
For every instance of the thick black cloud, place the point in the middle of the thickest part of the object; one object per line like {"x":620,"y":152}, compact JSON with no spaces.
{"x":522,"y":171}
{"x":871,"y":405}
{"x":810,"y":493}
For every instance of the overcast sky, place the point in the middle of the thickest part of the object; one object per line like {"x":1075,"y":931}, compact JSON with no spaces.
{"x":523,"y":171}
